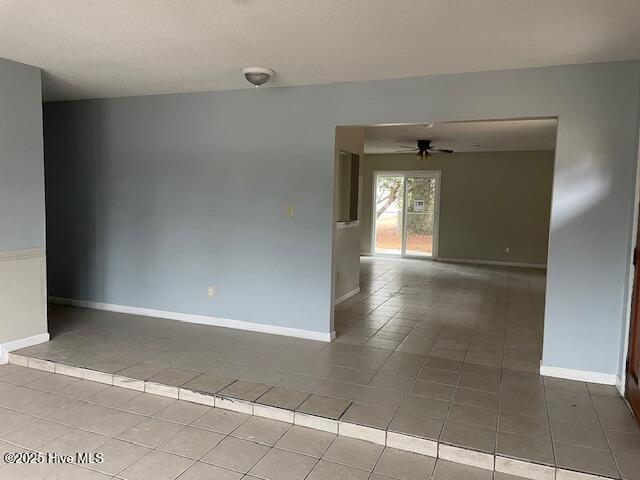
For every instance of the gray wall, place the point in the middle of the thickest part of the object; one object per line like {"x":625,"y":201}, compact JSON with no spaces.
{"x":21,"y":157}
{"x":22,"y":209}
{"x":151,"y":199}
{"x":488,"y":201}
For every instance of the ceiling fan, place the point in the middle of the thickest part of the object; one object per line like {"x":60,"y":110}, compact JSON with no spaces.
{"x":424,"y":149}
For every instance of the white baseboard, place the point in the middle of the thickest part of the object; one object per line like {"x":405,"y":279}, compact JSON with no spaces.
{"x":347,"y":296}
{"x":5,"y":348}
{"x":201,"y":319}
{"x":580,"y":375}
{"x":492,"y":262}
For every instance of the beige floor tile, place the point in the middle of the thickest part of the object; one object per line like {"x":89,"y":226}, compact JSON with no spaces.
{"x":524,"y":447}
{"x":9,"y":368}
{"x":306,"y":441}
{"x":469,"y":436}
{"x":82,"y":389}
{"x":220,"y":420}
{"x":438,"y":391}
{"x":405,"y":465}
{"x":156,"y":466}
{"x":204,"y":471}
{"x":118,"y":455}
{"x":191,"y":442}
{"x":262,"y":430}
{"x":523,"y":425}
{"x":416,"y":425}
{"x":74,"y":472}
{"x":391,"y":382}
{"x":107,"y":421}
{"x":466,"y":327}
{"x":623,"y":442}
{"x":324,"y":406}
{"x":427,"y":407}
{"x":141,"y":370}
{"x":174,"y":376}
{"x":581,"y":436}
{"x":324,"y":470}
{"x":182,"y":412}
{"x":150,"y":432}
{"x":585,"y":417}
{"x":244,"y":390}
{"x":524,"y":404}
{"x":11,"y":421}
{"x":376,"y":417}
{"x":112,"y":364}
{"x":24,"y":376}
{"x":505,"y":476}
{"x":475,"y":416}
{"x":36,"y":433}
{"x":112,"y":396}
{"x":585,"y":459}
{"x":439,"y":376}
{"x":146,"y":404}
{"x":53,"y":382}
{"x":235,"y":454}
{"x":283,"y":465}
{"x":208,"y":383}
{"x":28,"y":471}
{"x":485,"y":382}
{"x":476,"y":398}
{"x":283,"y":398}
{"x":74,"y":441}
{"x":354,"y":453}
{"x":455,"y":471}
{"x":629,"y":465}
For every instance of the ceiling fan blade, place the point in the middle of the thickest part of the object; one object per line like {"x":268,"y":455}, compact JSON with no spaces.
{"x":406,"y":150}
{"x":440,"y":150}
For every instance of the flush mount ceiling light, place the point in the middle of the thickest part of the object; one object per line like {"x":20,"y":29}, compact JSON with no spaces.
{"x":257,"y":75}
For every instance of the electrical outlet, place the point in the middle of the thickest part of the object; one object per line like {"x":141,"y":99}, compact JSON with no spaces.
{"x":211,"y":292}
{"x":289,"y":211}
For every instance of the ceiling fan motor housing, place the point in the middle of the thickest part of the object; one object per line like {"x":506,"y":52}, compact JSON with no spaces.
{"x":423,"y":146}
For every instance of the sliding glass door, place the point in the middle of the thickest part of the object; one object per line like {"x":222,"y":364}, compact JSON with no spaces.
{"x":389,"y":223}
{"x":405,"y":217}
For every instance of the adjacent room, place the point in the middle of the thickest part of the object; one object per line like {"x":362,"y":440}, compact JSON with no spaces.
{"x":292,"y":240}
{"x":460,"y":193}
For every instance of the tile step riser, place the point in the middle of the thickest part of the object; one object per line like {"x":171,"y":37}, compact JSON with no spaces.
{"x":399,"y":441}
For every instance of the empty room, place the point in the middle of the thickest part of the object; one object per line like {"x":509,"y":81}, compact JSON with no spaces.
{"x":289,"y":240}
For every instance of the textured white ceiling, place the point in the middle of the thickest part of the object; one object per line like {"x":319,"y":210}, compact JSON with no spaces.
{"x":104,"y":48}
{"x":490,"y":136}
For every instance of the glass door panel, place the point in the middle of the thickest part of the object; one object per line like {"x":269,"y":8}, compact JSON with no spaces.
{"x":420,"y":215}
{"x":389,"y":202}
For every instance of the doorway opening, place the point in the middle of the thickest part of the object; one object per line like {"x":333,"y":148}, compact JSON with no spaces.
{"x":405,"y":213}
{"x":448,"y":213}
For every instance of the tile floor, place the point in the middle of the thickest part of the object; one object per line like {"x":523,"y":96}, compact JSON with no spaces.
{"x":439,"y":351}
{"x":147,"y":437}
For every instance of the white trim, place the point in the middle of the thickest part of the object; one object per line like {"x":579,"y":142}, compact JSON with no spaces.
{"x":580,"y":375}
{"x":347,"y":296}
{"x":8,"y":255}
{"x":5,"y":348}
{"x":201,"y":319}
{"x":494,"y":262}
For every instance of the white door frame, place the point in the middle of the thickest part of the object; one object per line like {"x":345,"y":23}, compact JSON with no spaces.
{"x":436,"y":174}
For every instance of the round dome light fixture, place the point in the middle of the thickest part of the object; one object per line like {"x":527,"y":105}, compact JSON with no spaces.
{"x":257,"y":75}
